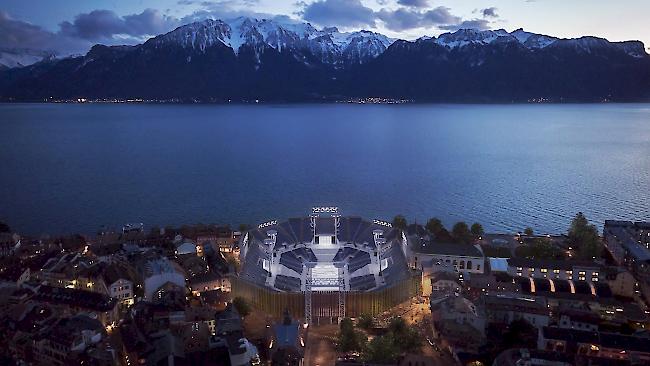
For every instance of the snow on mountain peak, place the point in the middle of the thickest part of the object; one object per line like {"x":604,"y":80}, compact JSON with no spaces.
{"x":19,"y":57}
{"x":329,"y":45}
{"x":278,"y":33}
{"x":464,"y":37}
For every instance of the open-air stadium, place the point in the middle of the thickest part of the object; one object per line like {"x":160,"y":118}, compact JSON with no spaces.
{"x":325,"y":266}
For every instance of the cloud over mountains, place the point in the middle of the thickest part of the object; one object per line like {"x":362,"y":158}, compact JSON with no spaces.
{"x":107,"y":27}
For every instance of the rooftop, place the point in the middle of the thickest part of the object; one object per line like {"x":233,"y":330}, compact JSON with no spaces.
{"x":550,"y":263}
{"x":607,"y":340}
{"x":76,"y":298}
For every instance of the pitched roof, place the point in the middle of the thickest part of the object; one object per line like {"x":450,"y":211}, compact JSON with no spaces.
{"x":457,"y":249}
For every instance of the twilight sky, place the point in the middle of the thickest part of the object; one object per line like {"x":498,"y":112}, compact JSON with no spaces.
{"x":67,"y":26}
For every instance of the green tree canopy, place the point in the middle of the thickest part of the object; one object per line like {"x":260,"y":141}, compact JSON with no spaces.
{"x":399,"y":222}
{"x":381,"y":349}
{"x":349,"y":338}
{"x":242,"y":306}
{"x":399,"y":339}
{"x":583,"y":237}
{"x":365,"y":321}
{"x":397,"y":326}
{"x":434,"y":226}
{"x":243,"y":227}
{"x":461,"y":233}
{"x":406,"y":339}
{"x":541,"y":248}
{"x":477,"y":230}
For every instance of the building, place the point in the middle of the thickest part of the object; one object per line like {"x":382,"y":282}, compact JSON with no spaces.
{"x":459,"y":310}
{"x":209,"y":281}
{"x":507,"y":308}
{"x":64,"y":342}
{"x":160,"y":274}
{"x":443,"y":283}
{"x":532,"y":357}
{"x":578,"y":319}
{"x":621,"y":281}
{"x":324,"y":266}
{"x":476,"y":285}
{"x":459,"y":324}
{"x":223,"y":240}
{"x":102,"y":307}
{"x":287,"y":345}
{"x":612,"y":346}
{"x":629,"y":244}
{"x":555,"y":269}
{"x":229,"y":334}
{"x":423,"y":251}
{"x":118,"y":285}
{"x":185,"y":248}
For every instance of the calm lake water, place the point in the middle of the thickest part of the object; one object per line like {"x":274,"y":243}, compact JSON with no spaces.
{"x":68,"y":168}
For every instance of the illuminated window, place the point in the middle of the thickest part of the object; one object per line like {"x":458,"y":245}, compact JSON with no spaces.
{"x":581,"y":273}
{"x":594,"y":274}
{"x":544,"y":270}
{"x":519,"y":268}
{"x":569,"y":272}
{"x":556,"y":271}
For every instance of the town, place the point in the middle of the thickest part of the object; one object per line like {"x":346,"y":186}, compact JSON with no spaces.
{"x":328,"y":289}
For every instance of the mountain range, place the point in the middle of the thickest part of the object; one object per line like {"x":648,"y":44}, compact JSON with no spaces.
{"x":247,"y":59}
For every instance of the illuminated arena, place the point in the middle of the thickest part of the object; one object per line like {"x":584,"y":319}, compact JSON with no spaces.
{"x":325,"y":266}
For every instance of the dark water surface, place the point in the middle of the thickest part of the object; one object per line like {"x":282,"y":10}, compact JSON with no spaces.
{"x":67,"y":168}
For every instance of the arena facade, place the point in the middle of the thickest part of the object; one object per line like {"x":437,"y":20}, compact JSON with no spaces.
{"x":325,"y":265}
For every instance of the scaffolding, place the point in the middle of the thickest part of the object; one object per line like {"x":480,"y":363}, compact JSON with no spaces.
{"x":341,"y":299}
{"x":308,"y":284}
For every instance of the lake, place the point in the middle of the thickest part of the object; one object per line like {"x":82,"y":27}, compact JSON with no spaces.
{"x":75,"y":167}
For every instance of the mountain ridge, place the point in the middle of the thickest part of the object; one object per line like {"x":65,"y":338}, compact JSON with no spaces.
{"x":247,"y":59}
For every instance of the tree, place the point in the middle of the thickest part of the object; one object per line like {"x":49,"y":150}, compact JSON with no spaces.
{"x":242,"y":306}
{"x":397,"y":326}
{"x":460,"y":232}
{"x":528,"y":231}
{"x":381,"y":349}
{"x":349,"y":338}
{"x":243,"y":228}
{"x":4,"y":228}
{"x":477,"y":230}
{"x":584,"y":237}
{"x":434,"y":226}
{"x":541,"y":248}
{"x":399,"y":222}
{"x":406,"y":339}
{"x":365,"y":321}
{"x":444,"y":236}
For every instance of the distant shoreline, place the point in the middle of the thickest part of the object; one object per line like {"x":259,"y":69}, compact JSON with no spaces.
{"x":366,"y":101}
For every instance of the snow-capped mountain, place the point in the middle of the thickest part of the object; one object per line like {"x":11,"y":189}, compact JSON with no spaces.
{"x":533,"y":41}
{"x":279,"y":59}
{"x":328,"y":45}
{"x":20,"y":57}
